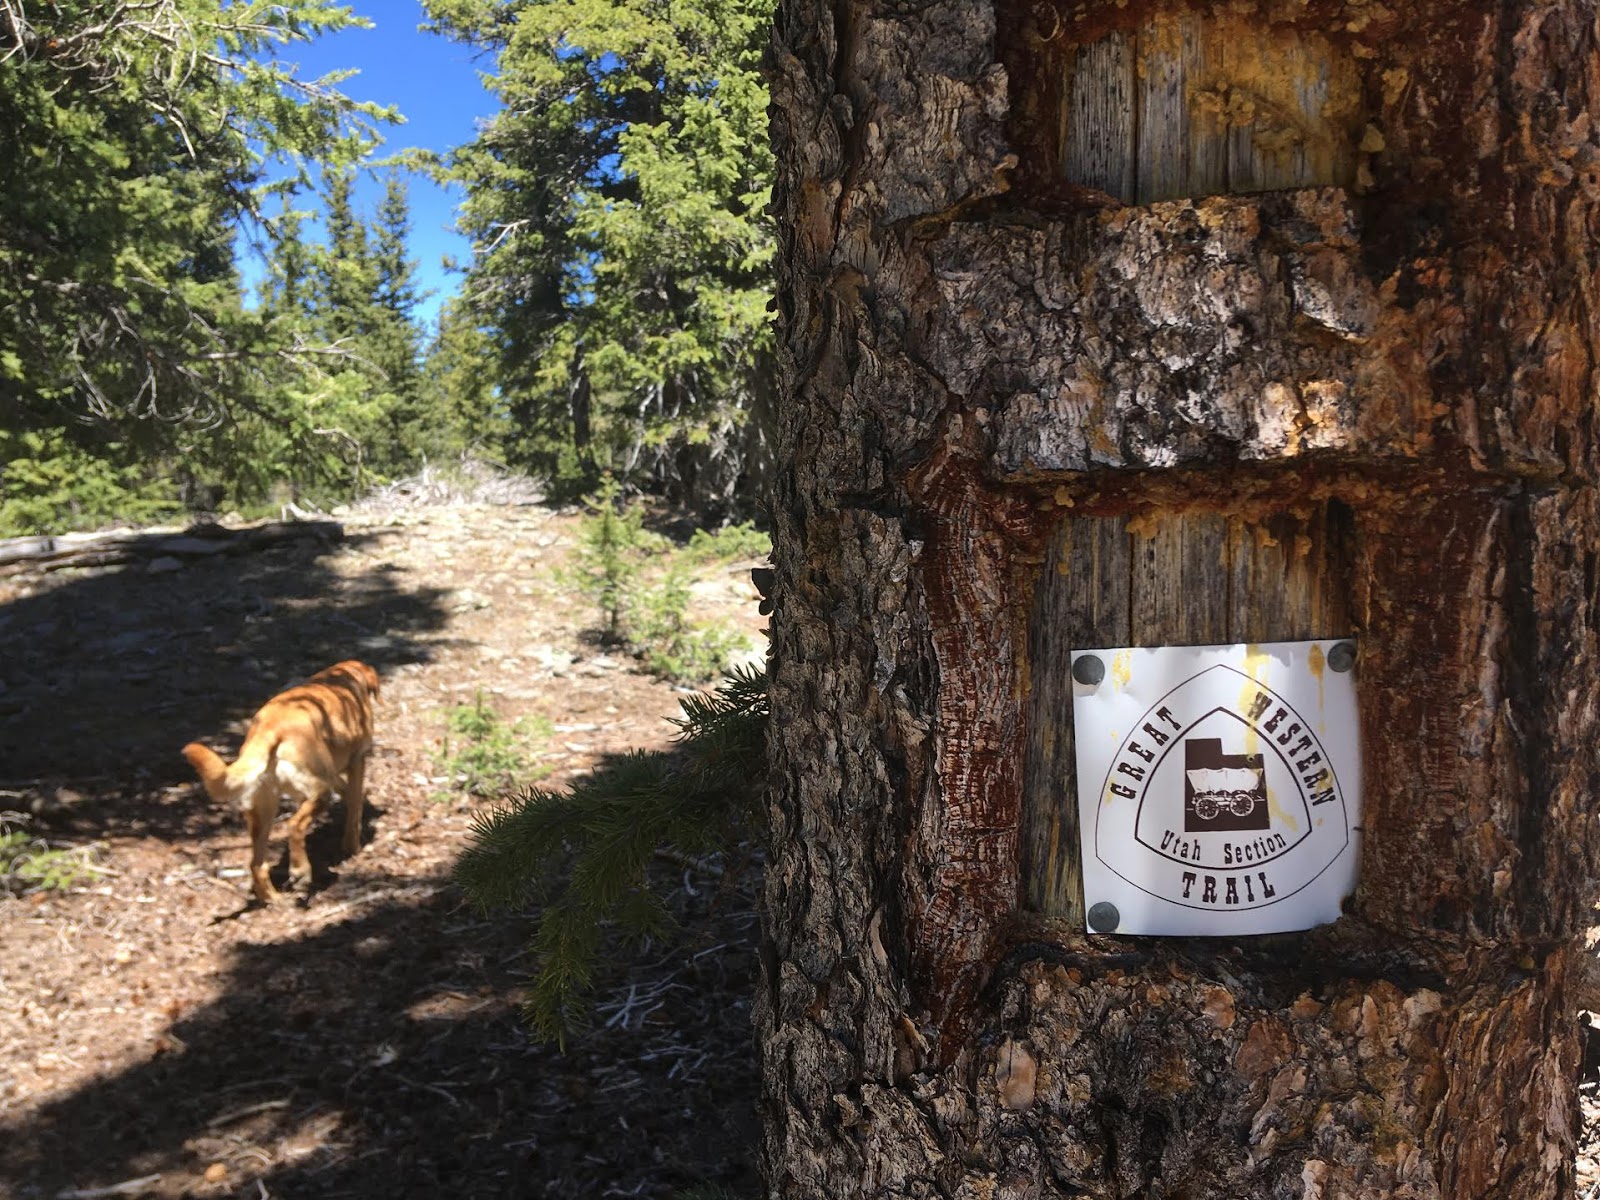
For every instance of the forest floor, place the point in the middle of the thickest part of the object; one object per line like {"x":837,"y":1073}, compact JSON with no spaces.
{"x":162,"y":1036}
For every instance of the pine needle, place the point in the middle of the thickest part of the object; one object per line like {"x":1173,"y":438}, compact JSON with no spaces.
{"x":583,"y":855}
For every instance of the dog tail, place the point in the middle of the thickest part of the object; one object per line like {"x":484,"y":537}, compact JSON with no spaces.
{"x":208,"y":764}
{"x":224,"y":782}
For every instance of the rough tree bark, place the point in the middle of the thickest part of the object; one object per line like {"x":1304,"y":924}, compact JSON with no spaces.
{"x":1055,"y":371}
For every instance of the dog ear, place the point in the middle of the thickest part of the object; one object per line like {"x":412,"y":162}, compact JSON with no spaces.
{"x":370,"y":677}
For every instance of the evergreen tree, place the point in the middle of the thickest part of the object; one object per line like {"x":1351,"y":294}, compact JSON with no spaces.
{"x":288,"y":287}
{"x":263,"y":438}
{"x":396,"y":291}
{"x":396,"y":339}
{"x":347,"y":276}
{"x":133,"y":141}
{"x":622,"y":245}
{"x":459,"y":388}
{"x":120,"y":189}
{"x":369,"y":407}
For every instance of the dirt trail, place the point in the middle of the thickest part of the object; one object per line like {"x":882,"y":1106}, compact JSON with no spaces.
{"x":360,"y":1040}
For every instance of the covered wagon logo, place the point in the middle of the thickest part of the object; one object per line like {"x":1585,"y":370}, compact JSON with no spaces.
{"x":1221,"y":806}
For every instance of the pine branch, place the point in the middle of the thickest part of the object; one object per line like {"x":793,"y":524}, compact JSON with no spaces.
{"x":698,"y":798}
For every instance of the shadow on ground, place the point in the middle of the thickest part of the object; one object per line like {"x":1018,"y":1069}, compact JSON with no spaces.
{"x":381,"y":1057}
{"x":104,"y":677}
{"x":367,"y":1044}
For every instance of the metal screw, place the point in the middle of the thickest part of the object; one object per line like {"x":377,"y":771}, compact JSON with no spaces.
{"x":1088,"y":669}
{"x":1104,"y":917}
{"x":1342,"y":657}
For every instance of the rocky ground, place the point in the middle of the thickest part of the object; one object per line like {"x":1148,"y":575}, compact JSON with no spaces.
{"x":162,"y":1036}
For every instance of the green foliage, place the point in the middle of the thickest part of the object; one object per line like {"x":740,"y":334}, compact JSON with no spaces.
{"x":363,"y":302}
{"x":583,"y":855}
{"x":622,"y":244}
{"x":48,"y":482}
{"x":672,"y":646}
{"x":328,"y":425}
{"x":731,"y":543}
{"x":615,"y":314}
{"x":612,"y":546}
{"x":139,"y":140}
{"x":652,"y":619}
{"x":30,"y":864}
{"x":135,"y":135}
{"x":460,"y":389}
{"x":490,"y":756}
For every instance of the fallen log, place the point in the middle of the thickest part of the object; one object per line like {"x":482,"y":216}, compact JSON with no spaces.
{"x":56,"y":553}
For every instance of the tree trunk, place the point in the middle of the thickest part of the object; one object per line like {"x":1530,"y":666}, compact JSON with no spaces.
{"x":580,"y":394}
{"x":1150,"y":324}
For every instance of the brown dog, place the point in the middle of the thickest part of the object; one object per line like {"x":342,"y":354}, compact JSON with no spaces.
{"x":297,"y":748}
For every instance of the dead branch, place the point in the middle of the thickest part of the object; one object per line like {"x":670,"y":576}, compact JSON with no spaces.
{"x":128,"y":1187}
{"x":56,"y":553}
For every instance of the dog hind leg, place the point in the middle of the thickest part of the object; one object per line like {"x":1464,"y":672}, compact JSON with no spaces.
{"x":259,"y":819}
{"x":299,"y":826}
{"x":354,"y":797}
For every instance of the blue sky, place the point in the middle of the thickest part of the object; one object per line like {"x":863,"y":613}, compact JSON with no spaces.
{"x":435,"y":83}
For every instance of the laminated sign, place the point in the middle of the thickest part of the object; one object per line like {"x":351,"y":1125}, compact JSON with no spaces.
{"x":1219,"y":787}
